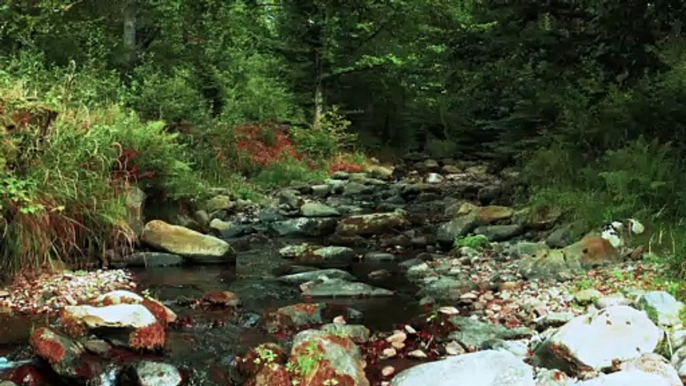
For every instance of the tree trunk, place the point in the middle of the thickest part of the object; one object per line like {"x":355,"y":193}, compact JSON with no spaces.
{"x":129,"y":33}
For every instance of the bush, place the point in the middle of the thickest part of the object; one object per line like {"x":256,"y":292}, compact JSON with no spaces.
{"x":65,"y":172}
{"x":287,"y":173}
{"x":329,"y":139}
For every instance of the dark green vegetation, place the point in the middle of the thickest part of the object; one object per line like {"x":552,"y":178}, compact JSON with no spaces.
{"x":589,"y":96}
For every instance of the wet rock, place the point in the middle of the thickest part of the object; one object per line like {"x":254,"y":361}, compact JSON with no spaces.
{"x":461,"y":226}
{"x":321,"y":191}
{"x":316,"y":209}
{"x":148,"y":373}
{"x":661,"y":308}
{"x":380,"y":172}
{"x":259,"y":357}
{"x":378,"y":257}
{"x":340,"y":361}
{"x":485,"y":368}
{"x":474,"y":333}
{"x":62,"y":353}
{"x":626,"y":378}
{"x":488,"y":194}
{"x":139,"y":327}
{"x":371,"y":224}
{"x":445,"y":288}
{"x":305,"y":226}
{"x":147,"y":260}
{"x":336,"y":288}
{"x":352,"y":189}
{"x":161,"y":312}
{"x":305,"y":277}
{"x":626,"y":334}
{"x":653,"y":364}
{"x":356,"y":332}
{"x":328,"y":257}
{"x":227,"y":229}
{"x":193,"y":246}
{"x":296,"y":316}
{"x":499,"y":232}
{"x":564,"y":236}
{"x":222,"y":298}
{"x":290,"y":198}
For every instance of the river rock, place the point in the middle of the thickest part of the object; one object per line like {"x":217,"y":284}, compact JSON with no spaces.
{"x":474,"y":333}
{"x":296,"y":316}
{"x":149,"y":373}
{"x":653,"y":364}
{"x":627,"y":378}
{"x":356,"y":332}
{"x":626,"y":334}
{"x":377,"y":257}
{"x":317,"y":209}
{"x":341,"y":360}
{"x":219,"y":203}
{"x":62,"y":353}
{"x":661,"y":308}
{"x":336,"y":288}
{"x":321,"y":190}
{"x":460,"y":226}
{"x":147,"y":260}
{"x":327,"y":257}
{"x":353,"y":188}
{"x":290,"y":198}
{"x":499,"y":232}
{"x":305,"y":226}
{"x":485,"y":368}
{"x":136,"y":323}
{"x":547,"y":377}
{"x":229,"y":229}
{"x":371,"y":224}
{"x":445,"y":288}
{"x":304,"y":277}
{"x":193,"y":246}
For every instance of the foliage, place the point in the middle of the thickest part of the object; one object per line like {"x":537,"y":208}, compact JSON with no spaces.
{"x":477,"y":242}
{"x":327,"y":140}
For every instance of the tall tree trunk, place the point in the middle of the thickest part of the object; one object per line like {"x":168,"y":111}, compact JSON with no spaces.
{"x":129,"y":33}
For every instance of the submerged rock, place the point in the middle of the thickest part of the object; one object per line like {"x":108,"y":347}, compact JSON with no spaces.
{"x":340,"y":288}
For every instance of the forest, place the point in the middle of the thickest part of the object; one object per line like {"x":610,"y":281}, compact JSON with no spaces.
{"x":587,"y":96}
{"x":213,"y":169}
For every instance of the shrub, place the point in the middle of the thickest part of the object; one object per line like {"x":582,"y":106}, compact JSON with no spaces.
{"x":287,"y":172}
{"x":329,"y":139}
{"x":64,"y":174}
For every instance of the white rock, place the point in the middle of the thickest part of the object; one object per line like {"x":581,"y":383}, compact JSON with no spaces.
{"x":627,"y":378}
{"x":592,"y":341}
{"x":485,"y":368}
{"x":116,"y":316}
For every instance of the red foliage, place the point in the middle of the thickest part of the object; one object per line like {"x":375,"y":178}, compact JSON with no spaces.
{"x":251,"y":139}
{"x":159,"y":311}
{"x":43,"y":342}
{"x":148,"y":338}
{"x":28,"y":375}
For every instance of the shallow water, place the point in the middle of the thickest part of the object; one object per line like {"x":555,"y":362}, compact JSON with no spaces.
{"x":206,"y":347}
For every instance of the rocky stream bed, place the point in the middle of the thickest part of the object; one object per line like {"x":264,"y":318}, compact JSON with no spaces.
{"x":355,"y":281}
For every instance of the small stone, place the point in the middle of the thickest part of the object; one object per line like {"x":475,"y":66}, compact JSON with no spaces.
{"x":417,"y":354}
{"x":449,"y":311}
{"x":388,"y":371}
{"x":339,"y":320}
{"x":389,"y":352}
{"x":454,"y":348}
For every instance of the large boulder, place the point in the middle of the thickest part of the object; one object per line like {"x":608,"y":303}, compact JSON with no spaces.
{"x":626,"y":334}
{"x":336,"y":288}
{"x":661,"y":308}
{"x":193,"y":246}
{"x":133,"y":325}
{"x":62,"y":353}
{"x":485,"y":368}
{"x":330,"y":359}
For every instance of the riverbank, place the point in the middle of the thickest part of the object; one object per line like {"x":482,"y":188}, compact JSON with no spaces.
{"x":391,"y":261}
